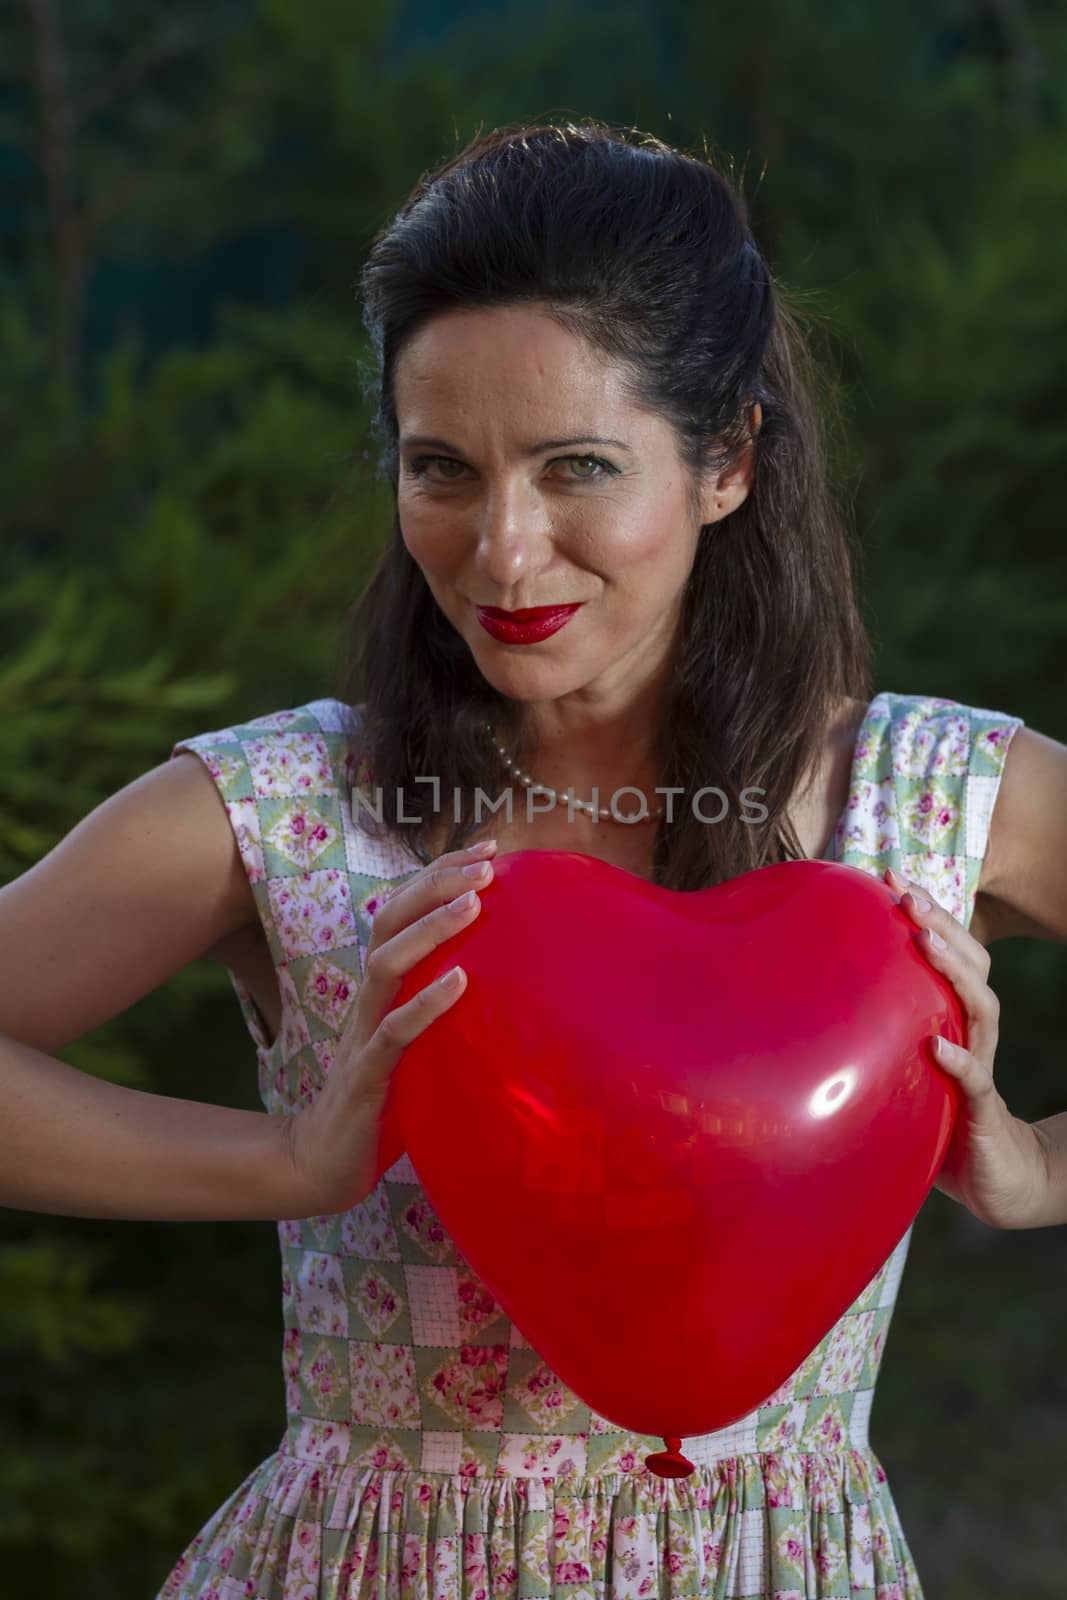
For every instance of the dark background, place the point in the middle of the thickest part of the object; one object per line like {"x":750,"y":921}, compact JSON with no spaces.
{"x":188,"y":504}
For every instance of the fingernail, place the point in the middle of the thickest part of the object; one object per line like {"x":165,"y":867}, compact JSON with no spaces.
{"x":918,"y":901}
{"x":936,"y":940}
{"x":481,"y":849}
{"x":462,"y":902}
{"x":477,"y":869}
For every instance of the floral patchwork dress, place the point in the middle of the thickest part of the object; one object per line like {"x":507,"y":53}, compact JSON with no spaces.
{"x":429,"y":1453}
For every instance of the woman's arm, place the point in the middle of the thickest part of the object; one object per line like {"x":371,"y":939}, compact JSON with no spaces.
{"x":81,"y":1147}
{"x":1022,"y":890}
{"x":149,"y":881}
{"x":1024,"y":881}
{"x":1009,"y":1173}
{"x":1052,"y":1207}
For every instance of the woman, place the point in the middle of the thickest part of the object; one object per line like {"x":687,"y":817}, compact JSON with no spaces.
{"x":595,"y":405}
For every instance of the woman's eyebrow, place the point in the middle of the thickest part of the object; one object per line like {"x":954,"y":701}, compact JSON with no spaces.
{"x":428,"y":441}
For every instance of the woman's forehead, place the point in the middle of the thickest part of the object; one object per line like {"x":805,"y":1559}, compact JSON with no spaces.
{"x":546,"y":381}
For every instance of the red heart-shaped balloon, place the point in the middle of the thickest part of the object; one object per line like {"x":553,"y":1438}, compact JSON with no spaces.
{"x":677,"y":1134}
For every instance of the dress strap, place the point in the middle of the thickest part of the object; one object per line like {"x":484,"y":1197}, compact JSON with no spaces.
{"x":925,"y":776}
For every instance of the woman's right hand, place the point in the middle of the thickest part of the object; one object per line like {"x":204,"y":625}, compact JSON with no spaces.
{"x":333,"y":1142}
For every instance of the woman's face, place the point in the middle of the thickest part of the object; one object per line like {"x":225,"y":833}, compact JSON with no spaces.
{"x":509,"y":497}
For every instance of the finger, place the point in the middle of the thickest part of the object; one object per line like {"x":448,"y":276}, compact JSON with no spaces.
{"x":431,"y":886}
{"x":972,"y":1075}
{"x":401,"y":1027}
{"x":388,"y":964}
{"x":924,"y":911}
{"x":980,"y":1005}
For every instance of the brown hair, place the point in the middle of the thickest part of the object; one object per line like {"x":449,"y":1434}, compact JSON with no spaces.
{"x":646,"y":252}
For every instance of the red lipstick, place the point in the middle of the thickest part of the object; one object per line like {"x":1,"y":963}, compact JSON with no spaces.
{"x":527,"y":626}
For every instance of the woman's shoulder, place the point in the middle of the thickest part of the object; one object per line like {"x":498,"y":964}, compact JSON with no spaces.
{"x":285,"y":778}
{"x":925,"y":775}
{"x":917,"y":735}
{"x":296,"y":751}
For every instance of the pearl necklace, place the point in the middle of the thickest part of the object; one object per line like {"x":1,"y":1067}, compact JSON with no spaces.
{"x":604,"y":812}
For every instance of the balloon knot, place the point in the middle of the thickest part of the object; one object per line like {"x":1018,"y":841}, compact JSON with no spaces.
{"x":670,"y":1463}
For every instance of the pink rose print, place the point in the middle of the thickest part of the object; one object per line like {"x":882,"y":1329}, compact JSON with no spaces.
{"x":412,"y":1561}
{"x":434,"y":1229}
{"x":423,"y":1223}
{"x":928,"y":806}
{"x":474,"y":1558}
{"x":322,"y":1377}
{"x":472,"y":1389}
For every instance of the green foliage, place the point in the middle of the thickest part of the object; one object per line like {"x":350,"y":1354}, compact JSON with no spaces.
{"x":184,"y":525}
{"x":51,"y":1309}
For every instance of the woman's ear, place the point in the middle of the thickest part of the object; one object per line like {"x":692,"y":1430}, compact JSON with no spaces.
{"x":732,"y":486}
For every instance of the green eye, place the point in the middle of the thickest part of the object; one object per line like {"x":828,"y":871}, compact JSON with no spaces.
{"x":421,"y":465}
{"x":603,"y":468}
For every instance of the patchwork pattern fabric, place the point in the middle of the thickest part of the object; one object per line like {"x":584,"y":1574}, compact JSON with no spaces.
{"x":429,"y":1453}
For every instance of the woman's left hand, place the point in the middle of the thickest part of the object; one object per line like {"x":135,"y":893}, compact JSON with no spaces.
{"x":995,"y":1163}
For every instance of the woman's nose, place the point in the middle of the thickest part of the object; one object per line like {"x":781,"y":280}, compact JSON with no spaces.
{"x":512,"y":535}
